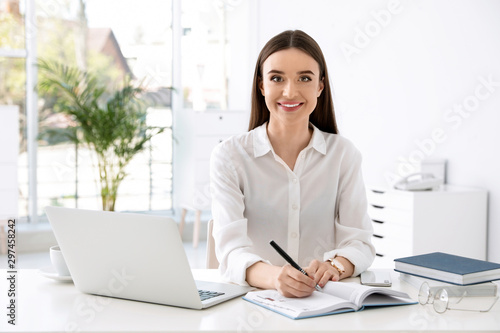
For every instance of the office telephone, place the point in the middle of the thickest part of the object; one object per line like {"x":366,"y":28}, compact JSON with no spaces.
{"x":418,"y":182}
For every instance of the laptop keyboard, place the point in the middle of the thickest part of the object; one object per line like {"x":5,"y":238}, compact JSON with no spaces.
{"x":206,"y":294}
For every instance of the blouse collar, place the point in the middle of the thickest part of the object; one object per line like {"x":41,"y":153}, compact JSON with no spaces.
{"x":262,"y":145}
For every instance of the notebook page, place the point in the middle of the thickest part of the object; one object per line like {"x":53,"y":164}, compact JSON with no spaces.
{"x":317,"y":303}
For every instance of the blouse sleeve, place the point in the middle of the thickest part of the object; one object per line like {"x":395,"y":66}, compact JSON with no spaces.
{"x":233,"y":246}
{"x":353,"y":227}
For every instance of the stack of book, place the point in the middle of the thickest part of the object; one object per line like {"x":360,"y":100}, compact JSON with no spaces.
{"x":450,"y":270}
{"x":480,"y":289}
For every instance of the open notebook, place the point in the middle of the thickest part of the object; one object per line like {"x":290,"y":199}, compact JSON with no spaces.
{"x":337,"y":297}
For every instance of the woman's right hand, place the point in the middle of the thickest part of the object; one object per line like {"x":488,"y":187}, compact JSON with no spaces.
{"x":290,"y":282}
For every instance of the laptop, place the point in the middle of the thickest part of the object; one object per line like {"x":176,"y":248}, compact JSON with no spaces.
{"x":132,"y":256}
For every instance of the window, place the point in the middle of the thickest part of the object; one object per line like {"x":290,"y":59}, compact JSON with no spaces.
{"x":112,"y":38}
{"x":205,"y":56}
{"x":215,"y":49}
{"x":11,"y":26}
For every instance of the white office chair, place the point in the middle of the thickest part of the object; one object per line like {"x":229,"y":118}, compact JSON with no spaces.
{"x":197,"y":222}
{"x":212,"y":261}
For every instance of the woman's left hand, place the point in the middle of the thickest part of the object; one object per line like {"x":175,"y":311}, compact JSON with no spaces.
{"x":322,"y":272}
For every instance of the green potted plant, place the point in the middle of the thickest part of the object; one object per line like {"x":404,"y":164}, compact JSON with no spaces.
{"x":112,"y":124}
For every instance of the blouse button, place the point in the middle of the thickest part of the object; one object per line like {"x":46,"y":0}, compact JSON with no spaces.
{"x":295,"y":207}
{"x":293,"y":235}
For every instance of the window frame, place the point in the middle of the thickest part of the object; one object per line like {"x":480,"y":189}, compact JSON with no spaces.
{"x":29,"y":54}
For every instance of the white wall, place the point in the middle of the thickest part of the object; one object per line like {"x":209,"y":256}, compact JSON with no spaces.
{"x":410,"y":81}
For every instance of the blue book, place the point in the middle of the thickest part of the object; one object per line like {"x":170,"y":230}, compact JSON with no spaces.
{"x":449,"y":268}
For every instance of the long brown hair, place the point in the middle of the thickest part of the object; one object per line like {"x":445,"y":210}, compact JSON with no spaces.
{"x":323,"y":116}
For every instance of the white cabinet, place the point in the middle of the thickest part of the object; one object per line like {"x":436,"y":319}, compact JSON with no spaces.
{"x":197,"y":134}
{"x":452,"y":219}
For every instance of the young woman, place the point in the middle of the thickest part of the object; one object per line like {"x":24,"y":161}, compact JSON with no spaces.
{"x":291,"y":179}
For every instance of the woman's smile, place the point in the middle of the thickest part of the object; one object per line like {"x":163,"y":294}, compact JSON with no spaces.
{"x":290,"y":106}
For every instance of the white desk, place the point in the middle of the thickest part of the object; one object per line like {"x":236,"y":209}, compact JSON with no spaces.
{"x":45,"y":305}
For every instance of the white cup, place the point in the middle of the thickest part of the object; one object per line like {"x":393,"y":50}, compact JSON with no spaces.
{"x":58,"y":262}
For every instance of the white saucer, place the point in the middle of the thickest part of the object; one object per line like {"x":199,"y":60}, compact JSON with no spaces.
{"x":50,"y":273}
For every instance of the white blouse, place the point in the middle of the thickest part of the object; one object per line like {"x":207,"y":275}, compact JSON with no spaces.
{"x":256,"y":198}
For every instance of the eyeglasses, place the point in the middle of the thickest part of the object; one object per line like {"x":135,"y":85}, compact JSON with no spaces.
{"x":442,"y":297}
